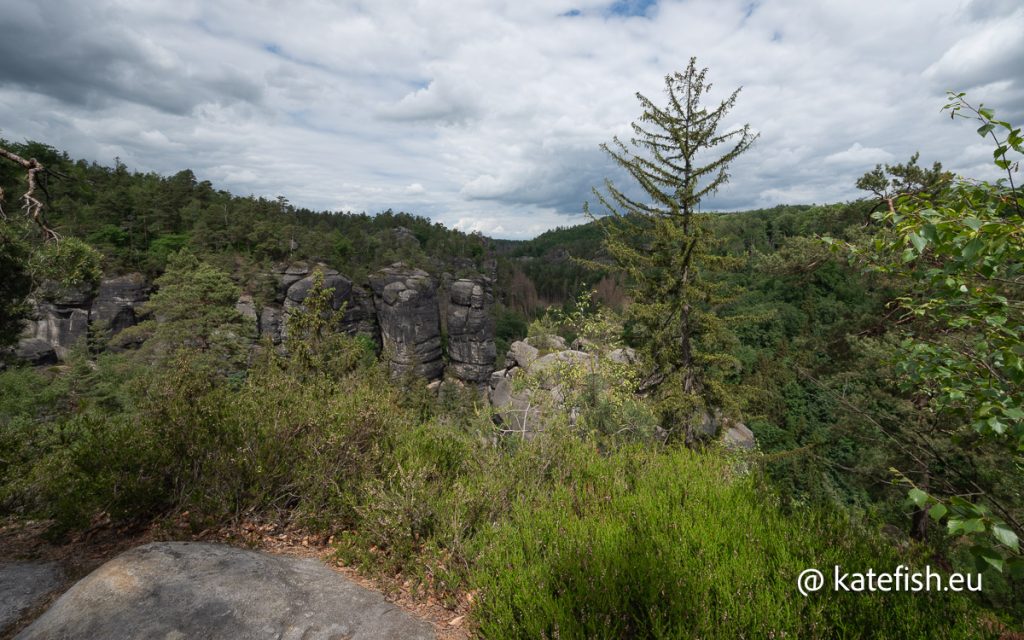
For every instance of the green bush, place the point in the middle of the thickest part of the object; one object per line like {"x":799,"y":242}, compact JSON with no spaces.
{"x":639,"y":544}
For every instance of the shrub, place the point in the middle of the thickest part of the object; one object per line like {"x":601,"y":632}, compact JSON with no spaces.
{"x":641,"y":544}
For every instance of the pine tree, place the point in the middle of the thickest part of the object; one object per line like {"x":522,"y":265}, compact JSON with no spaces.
{"x":193,"y":310}
{"x":662,"y":243}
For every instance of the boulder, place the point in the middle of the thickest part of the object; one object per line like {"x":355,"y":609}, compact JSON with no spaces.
{"x":549,"y":342}
{"x":289,"y":274}
{"x":341,"y":285}
{"x":211,"y":591}
{"x":547,"y":368}
{"x":738,"y":436}
{"x":409,"y":320}
{"x":471,"y":349}
{"x":520,"y":411}
{"x":497,"y":377}
{"x":521,"y":354}
{"x":24,"y":585}
{"x":533,"y":406}
{"x":115,"y":306}
{"x":625,"y":355}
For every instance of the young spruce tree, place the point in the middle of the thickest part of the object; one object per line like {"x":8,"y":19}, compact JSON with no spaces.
{"x":677,"y":156}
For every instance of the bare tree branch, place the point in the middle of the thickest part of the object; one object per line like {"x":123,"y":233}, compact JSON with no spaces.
{"x":32,"y":205}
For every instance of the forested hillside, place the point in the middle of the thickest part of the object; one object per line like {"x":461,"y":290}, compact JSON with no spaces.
{"x":872,"y":348}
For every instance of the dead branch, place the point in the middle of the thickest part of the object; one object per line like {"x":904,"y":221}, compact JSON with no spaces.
{"x":33,"y":206}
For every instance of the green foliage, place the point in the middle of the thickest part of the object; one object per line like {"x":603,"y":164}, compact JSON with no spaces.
{"x":162,"y":248}
{"x":194,"y":309}
{"x":662,"y":243}
{"x":314,"y":341}
{"x":15,"y":285}
{"x":904,"y":180}
{"x":68,"y":262}
{"x":960,"y":254}
{"x":639,"y":544}
{"x":509,"y":326}
{"x":146,"y":437}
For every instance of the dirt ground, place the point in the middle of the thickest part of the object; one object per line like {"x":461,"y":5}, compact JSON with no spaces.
{"x":79,"y":554}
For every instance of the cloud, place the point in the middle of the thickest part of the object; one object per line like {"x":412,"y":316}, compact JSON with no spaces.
{"x":86,"y":57}
{"x":489,"y":114}
{"x":435,"y":102}
{"x":990,"y":54}
{"x":859,"y":156}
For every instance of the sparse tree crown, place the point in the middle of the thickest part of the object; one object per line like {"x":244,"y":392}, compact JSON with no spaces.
{"x":677,"y":156}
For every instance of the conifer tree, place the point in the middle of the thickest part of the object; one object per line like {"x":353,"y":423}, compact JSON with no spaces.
{"x":677,"y":156}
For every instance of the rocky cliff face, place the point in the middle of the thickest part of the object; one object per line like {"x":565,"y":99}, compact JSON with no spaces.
{"x":294,"y":284}
{"x":471,"y":348}
{"x":61,"y":319}
{"x":115,"y":307}
{"x":400,"y":310}
{"x":409,"y":318}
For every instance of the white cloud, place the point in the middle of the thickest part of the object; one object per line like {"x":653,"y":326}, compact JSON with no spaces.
{"x":859,"y":156}
{"x":487,"y":114}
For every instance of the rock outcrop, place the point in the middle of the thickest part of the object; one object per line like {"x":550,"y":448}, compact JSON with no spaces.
{"x":35,"y":351}
{"x":24,"y":585}
{"x":294,"y":283}
{"x":60,"y":321}
{"x":400,"y":310}
{"x":471,"y":349}
{"x":410,"y":327}
{"x":195,"y":590}
{"x":533,"y":391}
{"x":738,"y":436}
{"x":61,"y":318}
{"x":716,"y":425}
{"x":527,"y":394}
{"x":117,"y":302}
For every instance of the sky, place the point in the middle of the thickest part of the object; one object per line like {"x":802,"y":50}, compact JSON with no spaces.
{"x":487,"y":115}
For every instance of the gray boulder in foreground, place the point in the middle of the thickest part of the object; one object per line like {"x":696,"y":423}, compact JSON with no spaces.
{"x":199,"y":590}
{"x":23,"y":585}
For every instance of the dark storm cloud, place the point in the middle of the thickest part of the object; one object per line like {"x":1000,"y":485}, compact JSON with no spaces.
{"x":87,"y":56}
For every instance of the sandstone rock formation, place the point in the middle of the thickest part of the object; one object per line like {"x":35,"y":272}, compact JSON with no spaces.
{"x":294,"y":284}
{"x":410,"y":327}
{"x":531,"y":392}
{"x":738,"y":436}
{"x":35,"y":351}
{"x":401,"y":311}
{"x":527,"y":393}
{"x":730,"y":432}
{"x":471,"y":349}
{"x":60,"y":318}
{"x":60,"y":321}
{"x":117,"y":301}
{"x":24,"y":585}
{"x":195,"y":590}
